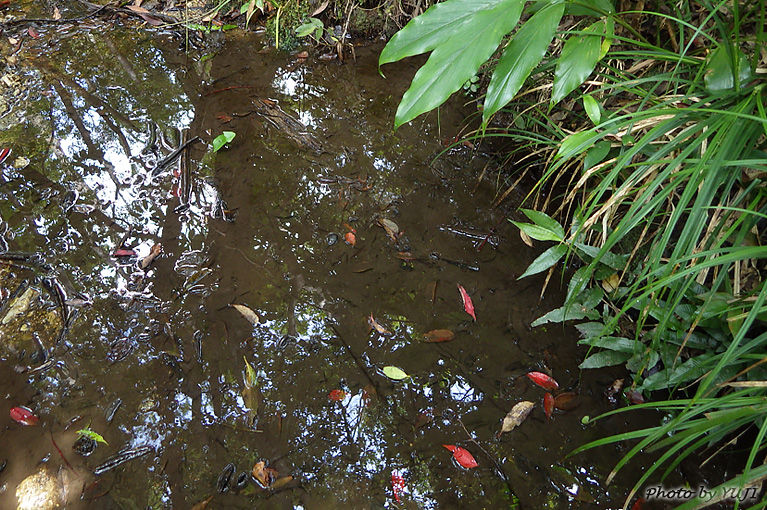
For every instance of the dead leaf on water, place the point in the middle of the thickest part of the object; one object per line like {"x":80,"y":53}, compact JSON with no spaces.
{"x":611,"y":282}
{"x":247,"y":313}
{"x":281,"y":482}
{"x":202,"y":505}
{"x":391,"y":228}
{"x":516,"y":416}
{"x":375,"y":325}
{"x":438,"y":335}
{"x":263,"y":474}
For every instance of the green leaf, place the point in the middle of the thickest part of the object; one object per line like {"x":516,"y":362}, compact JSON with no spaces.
{"x":93,"y":435}
{"x":605,"y":359}
{"x":223,"y":139}
{"x":719,"y":76}
{"x":545,"y":221}
{"x":395,"y":373}
{"x":462,"y":34}
{"x":312,"y":26}
{"x":583,"y":308}
{"x":592,"y":109}
{"x":580,"y":55}
{"x":596,"y":154}
{"x":596,"y":8}
{"x":614,"y":343}
{"x":545,"y":260}
{"x":577,"y":143}
{"x":520,"y":57}
{"x":250,"y":374}
{"x":536,"y":232}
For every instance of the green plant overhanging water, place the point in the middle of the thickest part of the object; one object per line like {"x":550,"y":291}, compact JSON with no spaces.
{"x":669,"y":208}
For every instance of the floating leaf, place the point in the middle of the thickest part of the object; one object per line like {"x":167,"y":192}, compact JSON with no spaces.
{"x":374,"y":324}
{"x":516,"y":416}
{"x":337,"y":395}
{"x":223,"y":139}
{"x":247,"y":313}
{"x":566,"y":401}
{"x":467,"y":304}
{"x":395,"y":373}
{"x":350,"y":238}
{"x":462,"y":456}
{"x":24,"y":416}
{"x":548,"y":404}
{"x":438,"y":335}
{"x":92,"y":435}
{"x":543,"y":380}
{"x":391,"y":228}
{"x":202,"y":505}
{"x":250,"y":393}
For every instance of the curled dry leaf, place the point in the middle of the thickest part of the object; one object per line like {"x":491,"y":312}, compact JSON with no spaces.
{"x":263,"y":474}
{"x":438,"y":335}
{"x":516,"y":416}
{"x":247,"y":313}
{"x":526,"y":239}
{"x":545,"y":381}
{"x":56,"y":13}
{"x":462,"y":456}
{"x":375,"y":325}
{"x":321,"y":8}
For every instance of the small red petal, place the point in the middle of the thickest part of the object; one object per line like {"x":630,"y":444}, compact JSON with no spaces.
{"x":462,"y":456}
{"x":122,"y":252}
{"x":467,"y":304}
{"x":548,"y":405}
{"x":337,"y":395}
{"x":23,"y":415}
{"x":543,"y":380}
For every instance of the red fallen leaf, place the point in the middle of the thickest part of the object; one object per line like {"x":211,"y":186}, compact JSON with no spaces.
{"x":337,"y":395}
{"x":224,"y":118}
{"x":350,"y":238}
{"x":24,"y":416}
{"x":467,"y":304}
{"x":33,"y":33}
{"x":397,"y":485}
{"x":4,"y":153}
{"x":548,"y":405}
{"x":462,"y":456}
{"x":638,"y":504}
{"x":123,"y":252}
{"x":438,"y":335}
{"x":544,"y":381}
{"x":635,"y":397}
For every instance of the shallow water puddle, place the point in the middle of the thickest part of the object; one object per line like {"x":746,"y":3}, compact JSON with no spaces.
{"x":285,"y":310}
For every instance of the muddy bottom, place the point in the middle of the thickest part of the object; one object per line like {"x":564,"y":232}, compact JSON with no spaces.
{"x":222,"y":317}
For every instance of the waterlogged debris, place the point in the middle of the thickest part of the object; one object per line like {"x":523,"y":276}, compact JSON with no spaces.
{"x":467,"y":304}
{"x":85,"y":445}
{"x":395,"y":373}
{"x":23,"y":415}
{"x":225,"y":478}
{"x":548,"y":404}
{"x":376,"y":326}
{"x":516,"y":416}
{"x":350,"y":238}
{"x":612,"y":391}
{"x":121,"y":458}
{"x":462,"y":456}
{"x":438,"y":335}
{"x":634,"y":396}
{"x":247,"y":313}
{"x":566,"y":401}
{"x":543,"y":380}
{"x":20,"y":305}
{"x":120,"y":349}
{"x":337,"y":395}
{"x":109,"y":413}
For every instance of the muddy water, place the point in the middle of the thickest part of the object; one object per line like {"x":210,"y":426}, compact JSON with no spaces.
{"x":263,"y":223}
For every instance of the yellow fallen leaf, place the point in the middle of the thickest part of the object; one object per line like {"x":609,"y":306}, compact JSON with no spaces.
{"x":247,"y":313}
{"x":516,"y":416}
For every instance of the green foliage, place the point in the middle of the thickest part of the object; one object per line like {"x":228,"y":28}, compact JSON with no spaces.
{"x":87,"y":432}
{"x":223,"y":139}
{"x":463,"y":34}
{"x":313,"y":27}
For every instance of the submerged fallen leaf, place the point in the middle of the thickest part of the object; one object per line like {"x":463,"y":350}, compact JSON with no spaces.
{"x":438,"y":335}
{"x":462,"y":456}
{"x":467,"y":304}
{"x":202,"y":505}
{"x":634,"y":396}
{"x":374,"y":324}
{"x":543,"y":380}
{"x":397,"y":485}
{"x":395,"y":373}
{"x":391,"y":228}
{"x":24,"y":416}
{"x":247,"y":313}
{"x":566,"y":401}
{"x":350,"y":238}
{"x":280,"y":482}
{"x":337,"y":395}
{"x":516,"y":416}
{"x":548,"y":404}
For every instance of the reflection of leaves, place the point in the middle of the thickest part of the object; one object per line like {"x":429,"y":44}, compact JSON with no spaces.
{"x":250,"y":394}
{"x":223,"y":139}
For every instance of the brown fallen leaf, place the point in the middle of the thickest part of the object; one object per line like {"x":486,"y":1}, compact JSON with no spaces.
{"x":389,"y":227}
{"x":438,"y":335}
{"x":321,"y":8}
{"x":526,"y":239}
{"x":516,"y":416}
{"x":566,"y":401}
{"x":373,"y":324}
{"x":263,"y":474}
{"x":202,"y":505}
{"x":247,"y":313}
{"x":302,"y":54}
{"x":153,"y":253}
{"x":611,"y":282}
{"x":280,"y":482}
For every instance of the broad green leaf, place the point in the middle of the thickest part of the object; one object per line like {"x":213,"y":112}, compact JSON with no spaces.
{"x":614,"y":343}
{"x":687,"y":371}
{"x":605,"y":359}
{"x":443,"y":22}
{"x":544,"y":220}
{"x":578,"y":282}
{"x":596,"y":8}
{"x":578,"y":142}
{"x":395,"y":373}
{"x":579,"y":310}
{"x":592,"y":109}
{"x":590,"y":329}
{"x":223,"y":139}
{"x":580,"y":55}
{"x":596,"y":154}
{"x":520,"y":57}
{"x":617,"y":262}
{"x":310,"y":27}
{"x":460,"y":47}
{"x":719,"y":76}
{"x":93,"y":435}
{"x":545,"y":260}
{"x":536,"y":232}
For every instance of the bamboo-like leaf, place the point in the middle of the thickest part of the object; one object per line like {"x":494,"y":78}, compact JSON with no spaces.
{"x":520,"y":57}
{"x":580,"y":55}
{"x":545,"y":260}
